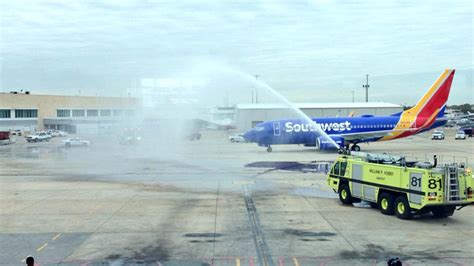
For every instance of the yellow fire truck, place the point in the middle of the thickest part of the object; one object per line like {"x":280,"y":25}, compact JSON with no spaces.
{"x":402,"y":187}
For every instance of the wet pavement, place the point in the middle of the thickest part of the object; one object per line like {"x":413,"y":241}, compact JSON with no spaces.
{"x":208,"y":202}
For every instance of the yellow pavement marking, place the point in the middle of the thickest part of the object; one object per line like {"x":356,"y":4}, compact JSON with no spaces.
{"x":69,"y":227}
{"x":296,"y":262}
{"x":43,"y":246}
{"x":56,"y":237}
{"x":237,"y":262}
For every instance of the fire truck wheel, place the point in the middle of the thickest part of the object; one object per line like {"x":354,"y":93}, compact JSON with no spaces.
{"x":443,"y":211}
{"x":402,"y":208}
{"x":345,"y":194}
{"x":386,"y":203}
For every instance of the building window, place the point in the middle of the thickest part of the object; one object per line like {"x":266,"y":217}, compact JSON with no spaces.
{"x":92,"y":112}
{"x":26,"y":113}
{"x":5,"y":113}
{"x":63,"y":113}
{"x":105,"y":112}
{"x":78,"y":113}
{"x":118,"y":112}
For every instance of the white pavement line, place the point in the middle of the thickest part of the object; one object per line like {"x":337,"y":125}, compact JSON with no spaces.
{"x":43,"y":246}
{"x":56,"y":237}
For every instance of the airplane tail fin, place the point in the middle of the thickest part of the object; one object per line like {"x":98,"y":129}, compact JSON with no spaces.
{"x":432,"y":104}
{"x":428,"y":109}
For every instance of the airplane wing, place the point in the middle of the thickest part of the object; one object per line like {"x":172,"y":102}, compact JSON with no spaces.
{"x":363,"y":136}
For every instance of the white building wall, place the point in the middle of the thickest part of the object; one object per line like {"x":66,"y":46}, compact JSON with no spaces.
{"x":247,"y":118}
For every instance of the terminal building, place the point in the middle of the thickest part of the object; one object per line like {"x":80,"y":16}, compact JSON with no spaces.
{"x":74,"y":114}
{"x":249,"y":115}
{"x":95,"y":115}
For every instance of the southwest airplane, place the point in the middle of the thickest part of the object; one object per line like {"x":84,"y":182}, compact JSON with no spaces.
{"x":347,"y":132}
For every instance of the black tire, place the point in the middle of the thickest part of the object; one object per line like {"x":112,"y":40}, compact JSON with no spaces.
{"x":345,"y":195}
{"x":443,"y":211}
{"x":402,"y":208}
{"x":385,"y":203}
{"x":355,"y":147}
{"x":269,"y":149}
{"x":232,"y":140}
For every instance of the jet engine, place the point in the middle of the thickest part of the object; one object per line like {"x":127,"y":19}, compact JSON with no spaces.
{"x":323,"y":143}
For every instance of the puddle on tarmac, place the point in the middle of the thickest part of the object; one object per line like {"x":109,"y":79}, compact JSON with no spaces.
{"x":304,"y":167}
{"x":313,"y":192}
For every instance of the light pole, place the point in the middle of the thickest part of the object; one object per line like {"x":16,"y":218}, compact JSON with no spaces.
{"x":227,"y":98}
{"x":366,"y":86}
{"x":352,"y":95}
{"x":256,"y":88}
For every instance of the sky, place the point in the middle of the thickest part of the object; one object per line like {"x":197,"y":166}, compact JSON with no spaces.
{"x":309,"y":51}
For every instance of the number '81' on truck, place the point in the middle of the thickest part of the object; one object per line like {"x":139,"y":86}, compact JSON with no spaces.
{"x":401,"y":187}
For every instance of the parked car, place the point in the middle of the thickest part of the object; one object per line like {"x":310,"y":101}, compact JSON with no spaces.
{"x":460,"y":135}
{"x":15,"y":133}
{"x":437,"y":134}
{"x":48,"y":134}
{"x":40,"y":136}
{"x":5,"y":138}
{"x":61,"y":133}
{"x":194,"y":136}
{"x":469,"y":131}
{"x":237,"y":138}
{"x":52,"y":133}
{"x":56,"y":133}
{"x":76,"y":142}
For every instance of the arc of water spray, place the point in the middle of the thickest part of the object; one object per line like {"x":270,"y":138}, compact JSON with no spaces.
{"x":220,"y":67}
{"x":282,"y":98}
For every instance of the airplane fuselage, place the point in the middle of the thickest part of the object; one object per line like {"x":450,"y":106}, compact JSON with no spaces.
{"x":300,"y":131}
{"x":334,"y":132}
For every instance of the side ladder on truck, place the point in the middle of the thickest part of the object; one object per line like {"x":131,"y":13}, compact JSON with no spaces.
{"x":452,"y":183}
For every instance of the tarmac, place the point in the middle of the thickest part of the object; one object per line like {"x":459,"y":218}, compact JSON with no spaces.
{"x":210,"y":202}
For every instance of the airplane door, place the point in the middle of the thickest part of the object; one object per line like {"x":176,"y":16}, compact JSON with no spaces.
{"x":276,"y":128}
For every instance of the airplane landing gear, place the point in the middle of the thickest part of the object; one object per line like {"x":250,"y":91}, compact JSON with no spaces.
{"x":269,"y":149}
{"x":355,"y":147}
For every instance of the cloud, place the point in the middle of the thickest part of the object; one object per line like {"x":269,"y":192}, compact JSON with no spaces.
{"x":309,"y":45}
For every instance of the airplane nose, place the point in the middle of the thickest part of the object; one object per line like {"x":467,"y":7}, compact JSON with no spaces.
{"x":250,"y":136}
